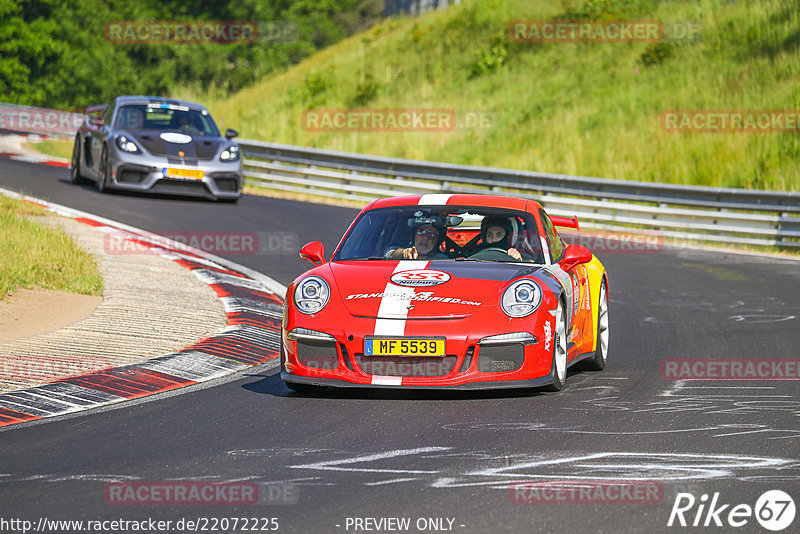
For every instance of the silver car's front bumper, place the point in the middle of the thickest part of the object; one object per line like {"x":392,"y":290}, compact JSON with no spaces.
{"x":146,"y":173}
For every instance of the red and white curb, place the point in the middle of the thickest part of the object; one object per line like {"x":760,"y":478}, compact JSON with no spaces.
{"x":253,"y":305}
{"x":28,"y":156}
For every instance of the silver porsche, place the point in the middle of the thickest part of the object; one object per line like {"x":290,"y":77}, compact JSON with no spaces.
{"x":157,"y":145}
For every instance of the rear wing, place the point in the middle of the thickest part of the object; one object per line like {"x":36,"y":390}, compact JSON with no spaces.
{"x":565,"y":222}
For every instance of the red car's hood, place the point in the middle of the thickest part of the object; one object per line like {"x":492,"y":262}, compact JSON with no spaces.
{"x":440,"y":289}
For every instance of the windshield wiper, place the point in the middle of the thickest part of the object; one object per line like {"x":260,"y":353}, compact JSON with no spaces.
{"x":365,"y":258}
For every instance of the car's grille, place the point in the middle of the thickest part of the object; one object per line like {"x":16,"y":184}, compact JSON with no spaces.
{"x":181,"y":187}
{"x":405,"y":366}
{"x":127,"y":176}
{"x":500,"y":358}
{"x":345,"y":356}
{"x":317,"y":355}
{"x":467,"y":360}
{"x":227,"y":184}
{"x":189,"y":162}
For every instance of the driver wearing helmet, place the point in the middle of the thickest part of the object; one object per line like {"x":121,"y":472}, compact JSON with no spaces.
{"x":427,"y":238}
{"x":495,"y":233}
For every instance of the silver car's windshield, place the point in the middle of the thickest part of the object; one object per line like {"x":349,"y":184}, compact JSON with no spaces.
{"x":163,"y":117}
{"x":443,"y":233}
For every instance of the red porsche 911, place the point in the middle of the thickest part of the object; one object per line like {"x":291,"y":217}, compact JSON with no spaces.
{"x":446,"y":292}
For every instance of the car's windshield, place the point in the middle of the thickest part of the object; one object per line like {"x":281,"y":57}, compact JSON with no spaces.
{"x":443,"y":233}
{"x":166,"y":117}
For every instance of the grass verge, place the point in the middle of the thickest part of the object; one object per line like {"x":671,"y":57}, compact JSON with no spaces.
{"x":589,"y":109}
{"x":60,"y":148}
{"x":35,"y":255}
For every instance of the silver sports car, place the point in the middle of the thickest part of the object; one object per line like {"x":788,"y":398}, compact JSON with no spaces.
{"x":157,"y":145}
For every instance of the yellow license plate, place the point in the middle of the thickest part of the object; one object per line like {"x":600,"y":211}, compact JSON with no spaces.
{"x":402,"y":346}
{"x":191,"y":174}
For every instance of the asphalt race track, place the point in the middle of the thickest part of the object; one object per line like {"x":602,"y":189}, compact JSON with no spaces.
{"x":350,"y":461}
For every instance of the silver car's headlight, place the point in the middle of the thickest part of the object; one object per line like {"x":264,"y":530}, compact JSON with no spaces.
{"x":311,"y":294}
{"x":521,"y":298}
{"x":230,"y":154}
{"x":126,"y":144}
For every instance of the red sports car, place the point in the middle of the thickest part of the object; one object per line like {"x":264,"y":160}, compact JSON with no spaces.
{"x":446,"y":292}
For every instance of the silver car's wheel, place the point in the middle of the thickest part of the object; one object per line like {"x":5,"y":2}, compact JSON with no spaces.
{"x":559,"y":350}
{"x":105,"y":172}
{"x":75,"y":166}
{"x":598,"y":361}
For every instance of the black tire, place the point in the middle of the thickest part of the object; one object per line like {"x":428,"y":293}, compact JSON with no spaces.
{"x":559,"y":350}
{"x":598,"y":361}
{"x":75,"y":175}
{"x":105,"y":171}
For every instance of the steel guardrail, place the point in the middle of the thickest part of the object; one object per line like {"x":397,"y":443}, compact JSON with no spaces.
{"x":680,"y":212}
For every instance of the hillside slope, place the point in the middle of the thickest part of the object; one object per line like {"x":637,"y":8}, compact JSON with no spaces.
{"x":590,"y":109}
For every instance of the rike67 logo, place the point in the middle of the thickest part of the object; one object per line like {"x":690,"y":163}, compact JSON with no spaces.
{"x":420,"y":278}
{"x":774,"y":510}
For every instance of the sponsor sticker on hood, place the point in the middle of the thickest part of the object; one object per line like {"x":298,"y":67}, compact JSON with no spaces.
{"x":420,"y":278}
{"x":174,"y":137}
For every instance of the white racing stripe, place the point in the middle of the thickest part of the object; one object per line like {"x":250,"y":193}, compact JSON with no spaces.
{"x":393,"y":311}
{"x":387,"y":380}
{"x":433,"y":200}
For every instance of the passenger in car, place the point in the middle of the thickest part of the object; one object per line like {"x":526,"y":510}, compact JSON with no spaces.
{"x":496,"y":233}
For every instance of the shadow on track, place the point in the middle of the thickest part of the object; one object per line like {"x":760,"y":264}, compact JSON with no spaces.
{"x":90,"y":186}
{"x":274,"y":386}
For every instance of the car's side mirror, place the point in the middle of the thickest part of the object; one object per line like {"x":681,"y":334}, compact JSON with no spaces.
{"x":313,"y":252}
{"x":575,"y":255}
{"x":230,"y":133}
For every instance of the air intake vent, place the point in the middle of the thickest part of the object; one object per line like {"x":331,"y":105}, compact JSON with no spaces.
{"x":500,"y":358}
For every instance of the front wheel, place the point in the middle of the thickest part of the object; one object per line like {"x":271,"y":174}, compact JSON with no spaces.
{"x":598,"y":361}
{"x":559,"y":350}
{"x":105,"y":172}
{"x":75,"y":166}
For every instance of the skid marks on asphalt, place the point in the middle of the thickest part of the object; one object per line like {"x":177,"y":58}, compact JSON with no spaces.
{"x":452,"y":467}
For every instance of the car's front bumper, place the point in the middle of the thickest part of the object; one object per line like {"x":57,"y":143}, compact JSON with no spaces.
{"x":470,"y":363}
{"x":494,"y":384}
{"x":131,"y":172}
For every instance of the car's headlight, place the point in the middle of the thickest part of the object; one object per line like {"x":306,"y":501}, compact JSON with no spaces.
{"x":311,"y":294}
{"x":126,"y":144}
{"x":230,"y":154}
{"x":521,"y":298}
